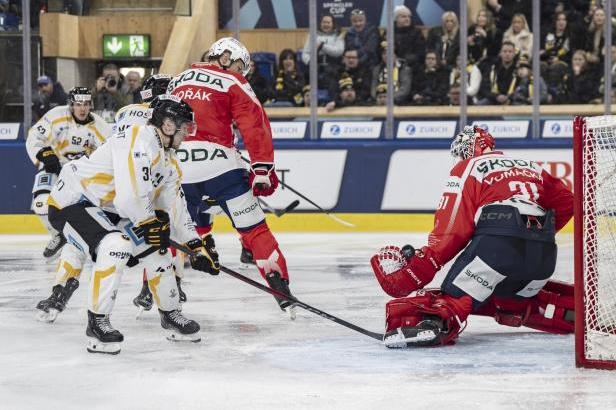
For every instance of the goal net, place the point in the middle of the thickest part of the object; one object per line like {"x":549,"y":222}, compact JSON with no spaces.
{"x":595,"y":240}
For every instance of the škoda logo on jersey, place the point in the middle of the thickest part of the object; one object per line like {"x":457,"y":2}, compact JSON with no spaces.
{"x":199,"y":78}
{"x":200,"y":154}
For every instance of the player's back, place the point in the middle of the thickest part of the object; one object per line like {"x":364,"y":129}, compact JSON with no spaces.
{"x":133,"y":114}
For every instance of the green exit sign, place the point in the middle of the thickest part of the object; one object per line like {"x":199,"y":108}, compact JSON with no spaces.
{"x":126,"y":45}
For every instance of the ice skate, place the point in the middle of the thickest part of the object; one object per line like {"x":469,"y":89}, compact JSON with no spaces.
{"x":102,"y":337}
{"x":56,"y":243}
{"x":428,"y":332}
{"x":50,"y":308}
{"x":246,"y":258}
{"x":281,"y":285}
{"x":144,"y":299}
{"x":179,"y":328}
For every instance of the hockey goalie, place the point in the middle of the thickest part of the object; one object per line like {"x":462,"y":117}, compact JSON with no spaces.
{"x":502,"y":212}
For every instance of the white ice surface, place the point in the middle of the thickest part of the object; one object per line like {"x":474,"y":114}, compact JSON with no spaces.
{"x":253,"y":356}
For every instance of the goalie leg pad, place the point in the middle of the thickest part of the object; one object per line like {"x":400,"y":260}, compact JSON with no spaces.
{"x":551,"y":310}
{"x":429,"y":318}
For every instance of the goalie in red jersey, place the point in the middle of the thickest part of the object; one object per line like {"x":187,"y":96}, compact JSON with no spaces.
{"x":502,"y":212}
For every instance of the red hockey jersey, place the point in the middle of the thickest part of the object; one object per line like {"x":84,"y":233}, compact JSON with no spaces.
{"x":488,"y":179}
{"x":219,"y":98}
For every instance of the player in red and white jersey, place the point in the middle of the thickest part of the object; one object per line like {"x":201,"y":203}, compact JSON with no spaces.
{"x":213,"y":170}
{"x":502,"y":212}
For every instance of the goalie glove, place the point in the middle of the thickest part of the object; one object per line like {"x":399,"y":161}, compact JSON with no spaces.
{"x":50,"y":160}
{"x":402,"y":271}
{"x":205,"y":256}
{"x":263,"y":179}
{"x":156,"y":231}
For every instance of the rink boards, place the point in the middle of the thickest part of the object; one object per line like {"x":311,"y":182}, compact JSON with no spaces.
{"x":375,"y":185}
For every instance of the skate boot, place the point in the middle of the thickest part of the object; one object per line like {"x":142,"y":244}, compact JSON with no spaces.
{"x":56,"y":243}
{"x":144,"y":299}
{"x":102,"y":337}
{"x":56,"y":303}
{"x":179,"y":327}
{"x":282,"y":285}
{"x":246,"y":257}
{"x":428,"y":332}
{"x":181,"y":293}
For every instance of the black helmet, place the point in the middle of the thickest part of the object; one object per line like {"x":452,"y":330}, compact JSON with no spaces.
{"x":80,"y":95}
{"x":154,"y":85}
{"x":170,"y":106}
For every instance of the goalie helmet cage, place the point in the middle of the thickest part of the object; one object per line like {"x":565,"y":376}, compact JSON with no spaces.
{"x":594,"y":146}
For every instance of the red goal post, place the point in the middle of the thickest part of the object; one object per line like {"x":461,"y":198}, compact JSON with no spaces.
{"x":594,"y":157}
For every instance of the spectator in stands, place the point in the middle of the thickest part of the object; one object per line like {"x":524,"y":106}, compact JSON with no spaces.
{"x":526,"y":86}
{"x":381,"y":94}
{"x":555,"y":56}
{"x":582,"y":80}
{"x":306,"y":95}
{"x":445,"y":40}
{"x":362,"y":37}
{"x":431,"y":82}
{"x":401,"y":77}
{"x":595,"y":40}
{"x":484,"y":39}
{"x":106,"y":94}
{"x":258,"y":83}
{"x":613,"y":70}
{"x":519,"y":34}
{"x":473,"y":77}
{"x":455,"y":92}
{"x":289,"y":81}
{"x":132,"y":87}
{"x":359,"y":73}
{"x":410,"y":44}
{"x":9,"y":20}
{"x":346,"y":96}
{"x":330,"y":46}
{"x":50,"y":95}
{"x":504,"y":10}
{"x":499,"y":81}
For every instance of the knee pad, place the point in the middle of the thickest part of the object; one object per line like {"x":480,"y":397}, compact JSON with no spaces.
{"x":39,"y":203}
{"x":158,"y":268}
{"x":409,"y":311}
{"x":71,"y":264}
{"x":265,"y":251}
{"x":114,"y":249}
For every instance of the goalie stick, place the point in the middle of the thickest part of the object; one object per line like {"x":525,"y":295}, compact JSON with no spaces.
{"x":279,"y":212}
{"x":311,"y":202}
{"x":297,"y":302}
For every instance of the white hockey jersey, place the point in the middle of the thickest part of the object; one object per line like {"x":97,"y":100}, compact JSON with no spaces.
{"x":131,"y":175}
{"x":133,"y":114}
{"x":69,"y":140}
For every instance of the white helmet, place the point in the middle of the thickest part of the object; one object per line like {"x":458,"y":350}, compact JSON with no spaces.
{"x":233,"y":46}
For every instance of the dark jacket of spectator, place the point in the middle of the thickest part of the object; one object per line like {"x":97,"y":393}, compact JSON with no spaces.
{"x":431,"y":85}
{"x":289,"y":87}
{"x":446,"y":44}
{"x":260,"y":86}
{"x":46,"y":102}
{"x":410,"y":44}
{"x":361,"y":82}
{"x":366,"y":42}
{"x":484,"y":47}
{"x":504,"y":10}
{"x":401,"y":81}
{"x":583,"y":87}
{"x":497,"y":80}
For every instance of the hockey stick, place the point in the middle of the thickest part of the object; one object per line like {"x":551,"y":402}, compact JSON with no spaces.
{"x":311,"y":202}
{"x":279,"y":212}
{"x":293,"y":299}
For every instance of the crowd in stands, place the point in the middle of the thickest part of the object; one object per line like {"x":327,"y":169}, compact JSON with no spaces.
{"x":352,"y":69}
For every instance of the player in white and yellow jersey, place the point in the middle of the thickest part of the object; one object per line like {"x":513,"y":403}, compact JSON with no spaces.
{"x":64,"y":133}
{"x":134,"y":175}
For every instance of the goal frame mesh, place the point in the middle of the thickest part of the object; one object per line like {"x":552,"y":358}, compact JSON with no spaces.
{"x":585,"y":243}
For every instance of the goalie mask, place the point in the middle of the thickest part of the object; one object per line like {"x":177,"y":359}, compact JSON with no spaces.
{"x":153,"y":86}
{"x":237,"y":50}
{"x":169,"y":107}
{"x":471,"y":142}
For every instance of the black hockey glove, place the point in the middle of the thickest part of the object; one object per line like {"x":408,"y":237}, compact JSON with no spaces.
{"x":205,"y":257}
{"x":50,"y":160}
{"x":156,"y":232}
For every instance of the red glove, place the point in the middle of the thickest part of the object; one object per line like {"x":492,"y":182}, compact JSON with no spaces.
{"x":400,"y":271}
{"x":263,"y":179}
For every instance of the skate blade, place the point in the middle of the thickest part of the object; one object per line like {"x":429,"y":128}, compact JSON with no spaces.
{"x":96,"y":346}
{"x":179,"y":337}
{"x":139,"y":313}
{"x":245,"y":266}
{"x":47,"y":317}
{"x":423,"y":337}
{"x":292,"y":312}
